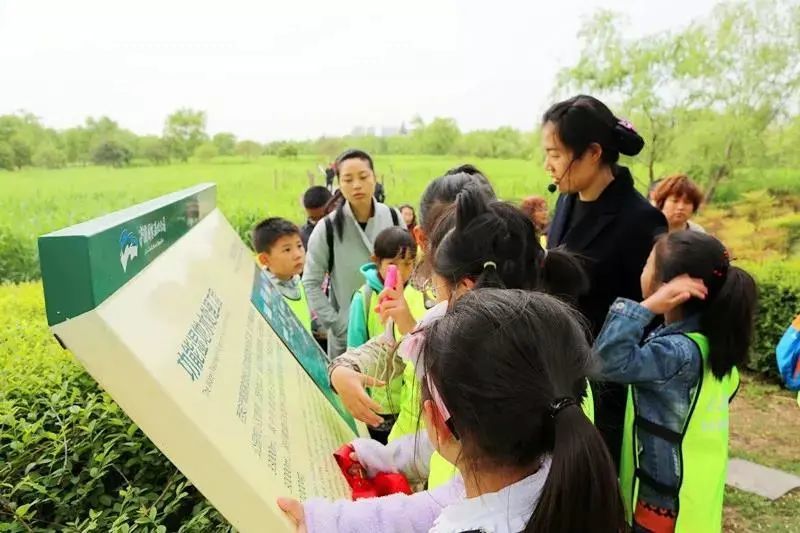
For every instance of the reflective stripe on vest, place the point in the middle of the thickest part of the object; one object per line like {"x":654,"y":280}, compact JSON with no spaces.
{"x":300,"y":308}
{"x":703,"y":447}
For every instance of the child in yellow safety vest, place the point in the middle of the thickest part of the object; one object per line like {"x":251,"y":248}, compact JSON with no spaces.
{"x":393,"y":246}
{"x":280,"y":252}
{"x":681,"y":378}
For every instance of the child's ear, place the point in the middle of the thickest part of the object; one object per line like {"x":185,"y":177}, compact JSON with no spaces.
{"x":263,"y":259}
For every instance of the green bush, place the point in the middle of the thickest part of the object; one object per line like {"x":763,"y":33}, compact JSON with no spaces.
{"x":779,"y":287}
{"x":19,"y":260}
{"x":70,"y":459}
{"x":49,"y":157}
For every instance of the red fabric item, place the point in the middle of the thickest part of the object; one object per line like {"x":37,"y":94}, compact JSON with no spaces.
{"x":361,"y":486}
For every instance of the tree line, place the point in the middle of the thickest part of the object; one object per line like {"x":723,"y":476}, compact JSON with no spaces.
{"x":714,"y":96}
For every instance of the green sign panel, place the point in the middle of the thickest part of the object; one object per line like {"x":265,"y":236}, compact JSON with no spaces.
{"x":83,"y":265}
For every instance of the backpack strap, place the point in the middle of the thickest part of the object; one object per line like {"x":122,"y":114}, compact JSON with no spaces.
{"x":329,"y":238}
{"x":395,"y":218}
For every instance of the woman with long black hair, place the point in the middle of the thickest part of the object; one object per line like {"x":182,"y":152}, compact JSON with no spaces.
{"x":342,"y":242}
{"x":600,"y":217}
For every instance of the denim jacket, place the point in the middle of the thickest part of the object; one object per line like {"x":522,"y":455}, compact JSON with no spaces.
{"x":664,"y":371}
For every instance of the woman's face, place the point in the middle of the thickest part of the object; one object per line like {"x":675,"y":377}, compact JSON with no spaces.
{"x":678,"y":210}
{"x":408,"y":215}
{"x":570,"y":175}
{"x":357,"y":181}
{"x":540,"y":217}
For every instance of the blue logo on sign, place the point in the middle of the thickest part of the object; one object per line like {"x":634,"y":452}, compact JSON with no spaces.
{"x":128,"y":248}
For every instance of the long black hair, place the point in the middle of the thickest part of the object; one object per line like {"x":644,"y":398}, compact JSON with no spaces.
{"x":727,"y":314}
{"x":495,"y":244}
{"x":337,"y":201}
{"x":584,"y":120}
{"x":510,"y":368}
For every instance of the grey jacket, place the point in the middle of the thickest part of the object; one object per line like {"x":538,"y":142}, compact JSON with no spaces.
{"x":349,"y":253}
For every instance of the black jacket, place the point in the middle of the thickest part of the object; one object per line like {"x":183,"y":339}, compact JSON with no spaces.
{"x":614,"y":239}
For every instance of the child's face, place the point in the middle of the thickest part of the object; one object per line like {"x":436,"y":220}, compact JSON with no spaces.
{"x":648,"y":279}
{"x":404,"y":264}
{"x":286,"y":258}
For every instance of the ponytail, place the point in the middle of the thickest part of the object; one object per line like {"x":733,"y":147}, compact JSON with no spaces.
{"x":581,"y":492}
{"x":336,"y":203}
{"x":728,"y":321}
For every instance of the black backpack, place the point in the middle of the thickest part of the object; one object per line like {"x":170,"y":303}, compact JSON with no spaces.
{"x":329,"y":235}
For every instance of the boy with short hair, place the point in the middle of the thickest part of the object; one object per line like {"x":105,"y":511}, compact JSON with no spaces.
{"x":315,"y":201}
{"x":282,"y":254}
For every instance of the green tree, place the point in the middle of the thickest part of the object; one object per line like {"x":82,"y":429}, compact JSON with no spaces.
{"x":77,"y":144}
{"x":225,"y":143}
{"x":184,"y":131}
{"x":48,"y":156}
{"x":6,"y":156}
{"x":248,"y":149}
{"x":288,"y":151}
{"x":154,"y":149}
{"x":206,"y":152}
{"x":639,"y":70}
{"x":440,"y":136}
{"x":112,"y":153}
{"x":727,"y":77}
{"x":753,"y":73}
{"x":23,"y":152}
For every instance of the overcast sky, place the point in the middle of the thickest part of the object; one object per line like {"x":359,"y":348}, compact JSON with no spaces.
{"x":299,"y":68}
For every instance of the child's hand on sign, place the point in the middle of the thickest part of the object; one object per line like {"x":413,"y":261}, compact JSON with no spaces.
{"x":295,"y":511}
{"x":393,"y":305}
{"x":350,"y":386}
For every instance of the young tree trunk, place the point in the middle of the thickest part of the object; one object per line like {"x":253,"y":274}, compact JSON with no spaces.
{"x":719,"y":174}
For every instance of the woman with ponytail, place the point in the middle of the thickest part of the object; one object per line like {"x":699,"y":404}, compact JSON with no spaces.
{"x":681,"y":378}
{"x":342,"y":242}
{"x":504,"y":378}
{"x":600,"y":217}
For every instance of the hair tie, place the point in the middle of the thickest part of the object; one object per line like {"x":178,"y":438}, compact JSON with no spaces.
{"x":488,"y":264}
{"x":626,"y":124}
{"x":558,"y":405}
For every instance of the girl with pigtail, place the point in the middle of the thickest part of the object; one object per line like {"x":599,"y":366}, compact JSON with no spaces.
{"x":681,"y":379}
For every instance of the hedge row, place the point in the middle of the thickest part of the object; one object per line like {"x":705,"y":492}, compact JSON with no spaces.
{"x":779,"y":303}
{"x":70,"y":459}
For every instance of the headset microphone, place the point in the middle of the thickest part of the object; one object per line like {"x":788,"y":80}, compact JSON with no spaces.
{"x":552,"y":188}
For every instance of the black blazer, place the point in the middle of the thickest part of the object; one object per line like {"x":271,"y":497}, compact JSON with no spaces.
{"x":614,"y":239}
